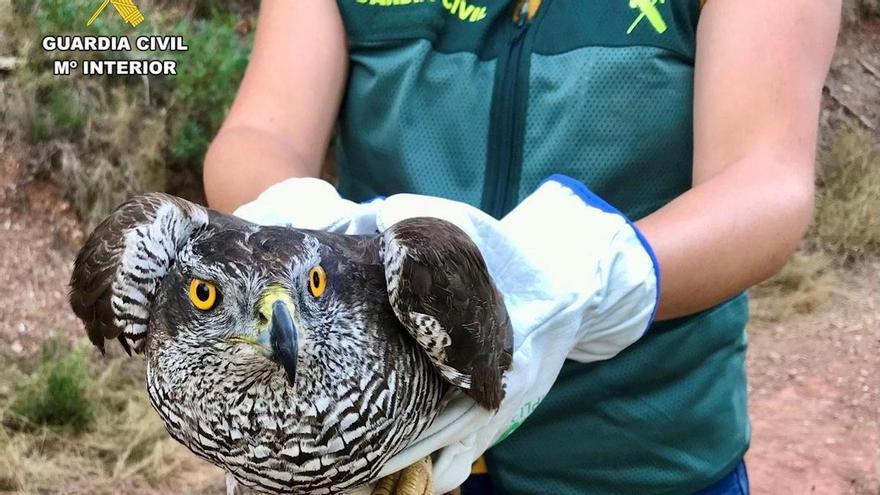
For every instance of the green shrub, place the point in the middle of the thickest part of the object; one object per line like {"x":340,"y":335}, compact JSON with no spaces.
{"x":59,"y":17}
{"x":61,"y":114}
{"x":208,"y":78}
{"x":847,"y":220}
{"x":111,"y":137}
{"x":56,"y":393}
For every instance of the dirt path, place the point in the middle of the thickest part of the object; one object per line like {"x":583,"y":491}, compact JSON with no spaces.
{"x":815,"y":396}
{"x":38,"y":232}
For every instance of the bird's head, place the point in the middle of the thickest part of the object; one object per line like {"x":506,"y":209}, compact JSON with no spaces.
{"x":165,"y":276}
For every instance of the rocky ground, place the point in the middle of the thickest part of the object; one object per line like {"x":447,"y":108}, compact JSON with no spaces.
{"x":815,"y":395}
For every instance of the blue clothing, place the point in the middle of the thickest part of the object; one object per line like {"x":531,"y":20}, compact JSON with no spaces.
{"x":734,"y":483}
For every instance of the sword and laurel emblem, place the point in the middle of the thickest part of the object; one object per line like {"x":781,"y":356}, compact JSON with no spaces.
{"x":126,"y":8}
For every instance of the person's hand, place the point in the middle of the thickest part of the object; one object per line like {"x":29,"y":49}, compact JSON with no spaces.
{"x":579,"y":282}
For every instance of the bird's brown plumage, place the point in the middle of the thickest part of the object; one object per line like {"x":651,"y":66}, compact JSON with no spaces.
{"x":445,"y":288}
{"x":373,"y":353}
{"x":98,"y":264}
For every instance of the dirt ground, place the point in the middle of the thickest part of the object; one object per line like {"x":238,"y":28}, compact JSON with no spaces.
{"x":853,"y":84}
{"x":815,"y":395}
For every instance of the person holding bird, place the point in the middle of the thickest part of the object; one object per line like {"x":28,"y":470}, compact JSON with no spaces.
{"x":627,"y":169}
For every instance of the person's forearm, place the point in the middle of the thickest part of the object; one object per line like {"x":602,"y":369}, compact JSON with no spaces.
{"x":727,"y":234}
{"x":243,"y":161}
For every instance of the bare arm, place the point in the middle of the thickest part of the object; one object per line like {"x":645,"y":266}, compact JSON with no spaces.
{"x":283,"y":115}
{"x":759,"y":75}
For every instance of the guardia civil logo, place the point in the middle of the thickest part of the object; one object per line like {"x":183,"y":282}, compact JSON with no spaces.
{"x":125,"y":8}
{"x":117,"y":55}
{"x":647,"y":10}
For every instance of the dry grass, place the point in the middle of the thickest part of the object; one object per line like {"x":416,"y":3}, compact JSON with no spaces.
{"x":800,"y":288}
{"x":846,"y":228}
{"x":122,"y":158}
{"x":125,"y":450}
{"x":100,"y":142}
{"x":100,"y":157}
{"x":847,"y":221}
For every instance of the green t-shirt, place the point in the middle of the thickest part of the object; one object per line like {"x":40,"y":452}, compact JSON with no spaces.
{"x":456,"y":98}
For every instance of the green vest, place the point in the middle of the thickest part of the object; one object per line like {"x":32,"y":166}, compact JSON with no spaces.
{"x":454,"y":98}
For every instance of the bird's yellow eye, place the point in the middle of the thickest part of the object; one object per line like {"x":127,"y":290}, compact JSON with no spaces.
{"x":203,"y":294}
{"x":317,"y":281}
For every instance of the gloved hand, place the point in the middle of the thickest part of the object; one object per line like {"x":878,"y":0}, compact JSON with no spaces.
{"x":579,"y":282}
{"x":309,"y":203}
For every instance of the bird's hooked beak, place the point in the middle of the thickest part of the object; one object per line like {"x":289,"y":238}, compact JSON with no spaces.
{"x":283,"y":339}
{"x":277,"y":336}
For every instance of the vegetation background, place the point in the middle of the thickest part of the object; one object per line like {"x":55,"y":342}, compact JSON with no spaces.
{"x":71,"y":148}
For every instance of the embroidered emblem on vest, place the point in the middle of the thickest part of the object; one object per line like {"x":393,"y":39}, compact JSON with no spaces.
{"x":648,"y":10}
{"x":459,"y":8}
{"x":465,"y":11}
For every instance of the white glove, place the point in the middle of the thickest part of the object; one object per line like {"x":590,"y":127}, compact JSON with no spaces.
{"x":313,"y":204}
{"x":579,"y":282}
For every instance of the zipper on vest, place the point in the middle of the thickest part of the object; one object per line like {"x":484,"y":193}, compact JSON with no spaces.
{"x":505,"y":155}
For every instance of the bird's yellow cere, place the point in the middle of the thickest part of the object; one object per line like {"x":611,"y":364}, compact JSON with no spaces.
{"x":272,"y":294}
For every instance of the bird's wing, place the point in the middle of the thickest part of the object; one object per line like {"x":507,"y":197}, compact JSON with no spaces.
{"x":441,"y":290}
{"x":118,"y":270}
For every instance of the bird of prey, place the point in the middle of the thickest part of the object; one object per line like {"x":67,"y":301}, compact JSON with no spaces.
{"x":298,"y":361}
